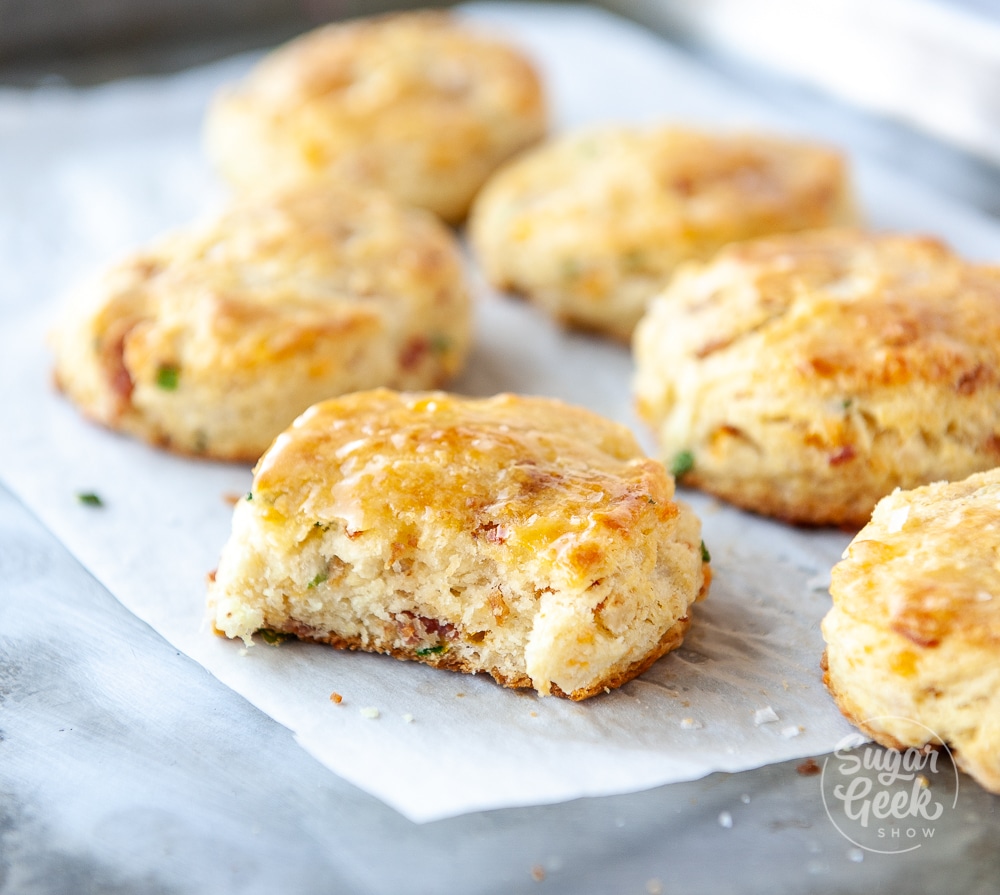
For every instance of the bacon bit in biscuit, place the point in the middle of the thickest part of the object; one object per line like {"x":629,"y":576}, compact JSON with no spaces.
{"x":808,"y":768}
{"x":492,"y":532}
{"x":336,"y":698}
{"x":498,"y":605}
{"x":413,"y":353}
{"x":843,"y":455}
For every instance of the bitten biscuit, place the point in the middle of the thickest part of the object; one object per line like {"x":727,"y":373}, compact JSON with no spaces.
{"x":521,"y":537}
{"x":213,"y":340}
{"x":592,"y":225}
{"x":806,"y":376}
{"x":913,"y":637}
{"x":417,"y":104}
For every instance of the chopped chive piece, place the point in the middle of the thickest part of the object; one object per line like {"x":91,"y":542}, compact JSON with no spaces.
{"x":682,"y":464}
{"x":571,"y":268}
{"x":319,"y":579}
{"x":88,"y":498}
{"x":167,"y":376}
{"x":440,"y":343}
{"x":272,"y":637}
{"x":705,"y":555}
{"x":634,"y":260}
{"x":651,"y":501}
{"x":847,"y":403}
{"x":432,"y":650}
{"x":249,"y":495}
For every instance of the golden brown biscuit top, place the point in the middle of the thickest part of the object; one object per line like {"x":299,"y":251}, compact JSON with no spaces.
{"x":363,"y":68}
{"x":524,"y":476}
{"x":928,"y":564}
{"x":848,"y":312}
{"x":694,"y":184}
{"x":273,"y":270}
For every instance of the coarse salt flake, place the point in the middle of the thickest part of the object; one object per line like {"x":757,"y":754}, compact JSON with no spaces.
{"x":765,"y":716}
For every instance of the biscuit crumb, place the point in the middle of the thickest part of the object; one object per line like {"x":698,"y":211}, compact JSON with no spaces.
{"x":370,"y":712}
{"x":408,"y":718}
{"x":808,"y":768}
{"x":336,"y":698}
{"x":538,"y":873}
{"x":691,"y":724}
{"x":793,"y":730}
{"x":725,"y":820}
{"x":654,"y":887}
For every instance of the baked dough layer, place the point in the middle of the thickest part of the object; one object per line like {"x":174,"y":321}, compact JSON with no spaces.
{"x":591,"y":225}
{"x":913,"y":637}
{"x":211,"y":341}
{"x":417,"y":104}
{"x":805,"y":376}
{"x":517,"y":536}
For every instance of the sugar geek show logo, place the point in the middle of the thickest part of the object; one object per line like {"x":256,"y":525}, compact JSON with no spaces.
{"x":888,"y":801}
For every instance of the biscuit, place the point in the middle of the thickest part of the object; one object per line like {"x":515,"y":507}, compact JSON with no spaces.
{"x":913,"y":638}
{"x":521,"y":537}
{"x":417,"y":104}
{"x":592,"y":225}
{"x":215,"y":338}
{"x":805,"y":376}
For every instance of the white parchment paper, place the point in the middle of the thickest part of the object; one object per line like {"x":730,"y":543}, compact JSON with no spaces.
{"x":87,"y":174}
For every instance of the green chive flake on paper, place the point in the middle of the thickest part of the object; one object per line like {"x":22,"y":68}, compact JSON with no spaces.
{"x":89,"y":499}
{"x":167,"y":376}
{"x":682,"y":464}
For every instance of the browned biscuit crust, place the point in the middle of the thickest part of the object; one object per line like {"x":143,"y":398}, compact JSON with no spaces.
{"x":805,"y":376}
{"x":913,"y":638}
{"x":213,"y":339}
{"x":419,"y":104}
{"x":516,"y":536}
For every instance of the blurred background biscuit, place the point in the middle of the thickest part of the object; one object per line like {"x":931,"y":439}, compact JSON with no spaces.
{"x":805,"y":376}
{"x":591,"y":225}
{"x":418,"y":104}
{"x":215,"y":338}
